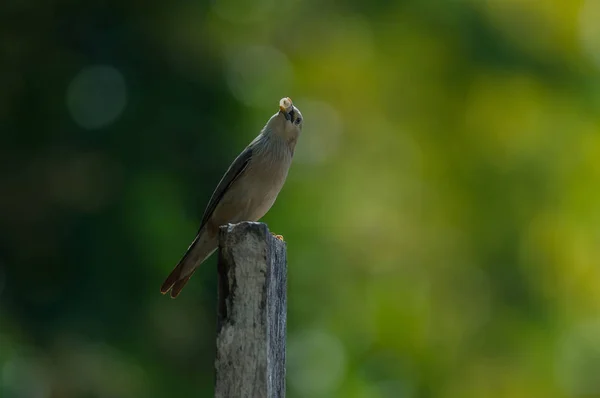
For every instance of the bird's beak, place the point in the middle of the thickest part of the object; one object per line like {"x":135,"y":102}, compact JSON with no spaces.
{"x":285,"y":114}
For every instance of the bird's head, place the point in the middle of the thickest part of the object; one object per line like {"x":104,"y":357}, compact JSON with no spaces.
{"x":288,"y":121}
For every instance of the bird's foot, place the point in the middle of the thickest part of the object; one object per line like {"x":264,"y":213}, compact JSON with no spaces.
{"x":279,"y":237}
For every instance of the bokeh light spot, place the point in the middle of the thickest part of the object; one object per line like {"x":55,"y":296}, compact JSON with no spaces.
{"x":258,"y":74}
{"x":578,"y":361}
{"x":96,"y":96}
{"x":589,"y":29}
{"x":25,"y":378}
{"x":316,"y":363}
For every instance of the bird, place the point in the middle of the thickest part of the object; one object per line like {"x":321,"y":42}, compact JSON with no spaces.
{"x":246,"y":191}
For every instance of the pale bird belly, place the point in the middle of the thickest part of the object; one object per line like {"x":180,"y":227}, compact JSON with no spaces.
{"x":260,"y":205}
{"x":267,"y":183}
{"x":250,"y":202}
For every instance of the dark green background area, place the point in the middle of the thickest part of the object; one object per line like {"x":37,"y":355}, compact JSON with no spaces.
{"x":441,"y":214}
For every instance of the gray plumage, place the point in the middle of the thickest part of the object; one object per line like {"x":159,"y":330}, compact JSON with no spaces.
{"x":247,"y":190}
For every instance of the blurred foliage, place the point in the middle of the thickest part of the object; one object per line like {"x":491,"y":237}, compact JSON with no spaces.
{"x":442,"y":214}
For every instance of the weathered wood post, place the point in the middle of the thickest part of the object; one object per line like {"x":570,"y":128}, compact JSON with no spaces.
{"x":251,"y":320}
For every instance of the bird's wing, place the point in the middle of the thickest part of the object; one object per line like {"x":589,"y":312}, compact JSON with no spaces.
{"x":235,"y":170}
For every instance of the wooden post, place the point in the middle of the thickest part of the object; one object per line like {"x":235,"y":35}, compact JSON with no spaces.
{"x":251,"y":320}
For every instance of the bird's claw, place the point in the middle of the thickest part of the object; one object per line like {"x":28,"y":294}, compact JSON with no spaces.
{"x":278,"y":237}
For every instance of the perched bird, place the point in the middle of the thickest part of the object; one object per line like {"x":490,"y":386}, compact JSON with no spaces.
{"x":247,"y":190}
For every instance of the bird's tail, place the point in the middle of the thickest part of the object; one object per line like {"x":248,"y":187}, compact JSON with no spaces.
{"x":200,"y":249}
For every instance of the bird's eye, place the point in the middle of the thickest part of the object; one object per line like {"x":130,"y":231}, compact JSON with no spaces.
{"x":297,"y":121}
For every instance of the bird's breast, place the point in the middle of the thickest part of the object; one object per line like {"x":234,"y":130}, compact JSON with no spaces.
{"x":268,"y":176}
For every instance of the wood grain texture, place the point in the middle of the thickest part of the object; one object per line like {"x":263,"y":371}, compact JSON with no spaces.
{"x":251,"y":329}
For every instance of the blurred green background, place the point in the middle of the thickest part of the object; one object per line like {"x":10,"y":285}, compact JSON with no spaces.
{"x":442,"y":214}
